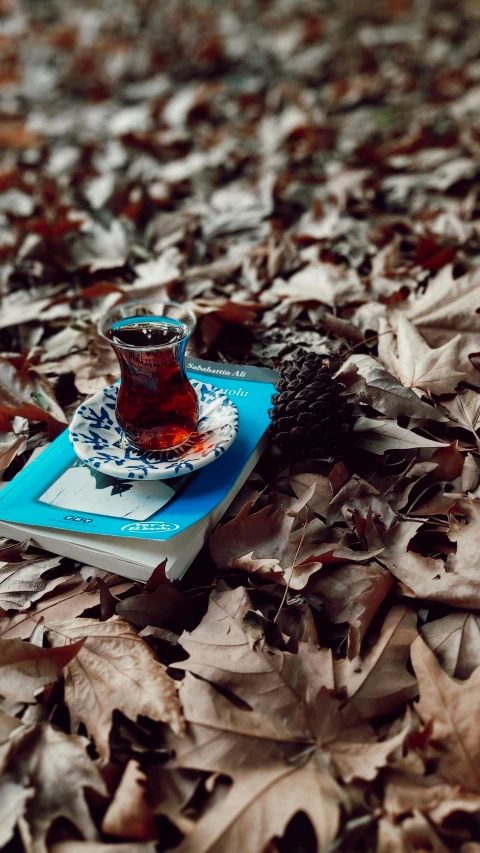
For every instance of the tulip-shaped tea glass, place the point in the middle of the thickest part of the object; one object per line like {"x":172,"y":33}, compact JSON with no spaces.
{"x":157,"y":408}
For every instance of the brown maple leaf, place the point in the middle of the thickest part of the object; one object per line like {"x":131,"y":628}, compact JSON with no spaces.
{"x":267,"y":720}
{"x":451,"y":707}
{"x":114,"y":669}
{"x":418,"y":366}
{"x":447,"y":309}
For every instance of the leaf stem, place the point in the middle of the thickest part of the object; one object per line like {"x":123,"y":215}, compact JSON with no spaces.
{"x":293,"y":566}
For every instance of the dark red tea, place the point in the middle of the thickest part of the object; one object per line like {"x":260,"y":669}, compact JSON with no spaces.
{"x":157,"y":407}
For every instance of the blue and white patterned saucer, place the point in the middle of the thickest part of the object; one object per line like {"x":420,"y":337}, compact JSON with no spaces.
{"x":98,"y":440}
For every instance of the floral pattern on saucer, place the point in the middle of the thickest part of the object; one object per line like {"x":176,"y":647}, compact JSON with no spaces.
{"x":99,"y":442}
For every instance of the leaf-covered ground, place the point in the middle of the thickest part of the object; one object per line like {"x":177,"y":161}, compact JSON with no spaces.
{"x":303,"y":173}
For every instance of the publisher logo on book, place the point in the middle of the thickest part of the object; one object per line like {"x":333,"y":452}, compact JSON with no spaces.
{"x":151,"y":527}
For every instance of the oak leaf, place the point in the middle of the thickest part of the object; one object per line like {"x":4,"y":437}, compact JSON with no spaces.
{"x":58,"y":769}
{"x":114,"y":669}
{"x":451,"y":707}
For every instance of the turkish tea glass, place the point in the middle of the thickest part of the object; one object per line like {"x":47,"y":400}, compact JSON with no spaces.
{"x":157,"y":408}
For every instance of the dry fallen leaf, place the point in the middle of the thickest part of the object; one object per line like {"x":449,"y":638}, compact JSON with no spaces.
{"x":129,"y":815}
{"x":455,"y":639}
{"x":418,"y":366}
{"x":378,"y":436}
{"x":450,"y":707}
{"x":56,"y":770}
{"x":378,"y":682}
{"x":321,"y":282}
{"x":25,"y":582}
{"x":448,"y":308}
{"x":251,"y":700}
{"x":382,"y":391}
{"x":26,"y":668}
{"x":70,"y":599}
{"x":27,"y":395}
{"x":13,"y":797}
{"x":352,"y":593}
{"x":114,"y":669}
{"x":427,"y":577}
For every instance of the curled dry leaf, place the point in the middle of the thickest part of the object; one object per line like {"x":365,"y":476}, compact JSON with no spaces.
{"x":30,"y":396}
{"x":114,"y":669}
{"x":56,"y":769}
{"x":406,"y":793}
{"x":70,"y":599}
{"x":23,"y":583}
{"x":265,"y":532}
{"x":378,"y":682}
{"x":129,"y":815}
{"x":11,"y":445}
{"x":25,"y":668}
{"x":13,"y":797}
{"x":427,"y":577}
{"x":352,"y":593}
{"x":412,"y":835}
{"x":455,"y":639}
{"x":368,"y":382}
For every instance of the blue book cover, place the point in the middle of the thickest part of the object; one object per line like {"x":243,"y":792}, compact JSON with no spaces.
{"x":59,"y":491}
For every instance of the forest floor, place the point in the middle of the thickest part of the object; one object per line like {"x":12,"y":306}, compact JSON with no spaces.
{"x":302,"y":174}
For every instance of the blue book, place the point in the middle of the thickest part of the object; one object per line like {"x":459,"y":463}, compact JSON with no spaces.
{"x":128,"y":526}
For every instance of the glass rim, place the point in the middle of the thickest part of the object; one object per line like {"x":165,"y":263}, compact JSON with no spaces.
{"x":189,"y":322}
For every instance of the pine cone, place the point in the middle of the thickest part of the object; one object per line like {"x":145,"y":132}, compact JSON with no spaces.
{"x":311,"y":416}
